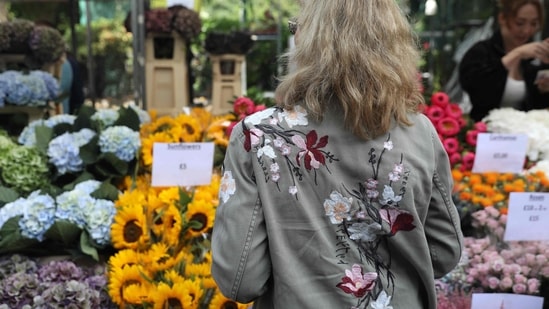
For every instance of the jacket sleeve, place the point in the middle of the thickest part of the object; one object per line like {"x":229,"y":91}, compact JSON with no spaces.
{"x":241,"y":263}
{"x":442,"y":225}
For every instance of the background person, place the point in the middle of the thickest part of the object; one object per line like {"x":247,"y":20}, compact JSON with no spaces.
{"x":339,"y":197}
{"x":501,"y":71}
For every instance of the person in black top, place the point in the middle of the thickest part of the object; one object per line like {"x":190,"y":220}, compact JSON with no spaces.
{"x":502,"y":70}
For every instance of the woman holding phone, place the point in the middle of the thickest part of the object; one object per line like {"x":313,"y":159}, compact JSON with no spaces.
{"x":502,"y":71}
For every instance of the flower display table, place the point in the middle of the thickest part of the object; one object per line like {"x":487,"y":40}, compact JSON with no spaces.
{"x":33,"y":113}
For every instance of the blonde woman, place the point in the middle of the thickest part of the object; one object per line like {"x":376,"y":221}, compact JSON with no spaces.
{"x":339,"y":197}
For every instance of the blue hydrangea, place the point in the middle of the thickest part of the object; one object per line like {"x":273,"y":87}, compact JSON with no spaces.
{"x":70,"y":206}
{"x":38,"y":216}
{"x":28,"y":135}
{"x":3,"y":86}
{"x":60,"y":118}
{"x":18,"y":92}
{"x":83,"y":136}
{"x":64,"y":153}
{"x":38,"y":92}
{"x":99,"y":216}
{"x":88,"y":186}
{"x":120,"y":140}
{"x":51,"y":83}
{"x":12,"y":210}
{"x":105,"y":116}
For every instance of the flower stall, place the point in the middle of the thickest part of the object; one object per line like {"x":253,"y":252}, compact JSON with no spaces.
{"x":491,"y":264}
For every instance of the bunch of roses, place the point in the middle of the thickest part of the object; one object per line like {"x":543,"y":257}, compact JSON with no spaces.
{"x":456,"y":131}
{"x":511,"y":267}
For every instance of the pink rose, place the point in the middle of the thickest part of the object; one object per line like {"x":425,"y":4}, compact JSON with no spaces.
{"x":454,"y":111}
{"x":451,"y":144}
{"x":468,"y":160}
{"x":455,"y":158}
{"x":440,"y":99}
{"x":533,"y":285}
{"x":519,"y":288}
{"x":471,"y":137}
{"x":434,"y":113}
{"x":243,"y":105}
{"x":506,"y":283}
{"x":480,"y":126}
{"x":493,"y":283}
{"x":448,"y":126}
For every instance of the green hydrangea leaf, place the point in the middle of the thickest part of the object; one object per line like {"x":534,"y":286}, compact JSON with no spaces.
{"x":43,"y":137}
{"x":86,"y":245}
{"x":109,"y":165}
{"x":11,"y":240}
{"x":129,"y":118}
{"x":64,"y":231}
{"x":7,"y":195}
{"x":83,"y":119}
{"x":89,"y":152}
{"x":106,"y":191}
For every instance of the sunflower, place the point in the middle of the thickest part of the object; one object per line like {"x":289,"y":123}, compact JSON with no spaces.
{"x":171,"y":225}
{"x":137,"y":294}
{"x":129,"y":229}
{"x":160,"y":256}
{"x":221,"y":302}
{"x":202,"y":270}
{"x":203,"y":212}
{"x":191,"y":128}
{"x":163,"y":124}
{"x":203,"y":116}
{"x":170,"y":195}
{"x":124,"y":258}
{"x":120,"y":278}
{"x":176,"y":296}
{"x":208,"y":283}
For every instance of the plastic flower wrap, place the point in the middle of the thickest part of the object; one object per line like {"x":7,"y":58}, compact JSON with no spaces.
{"x":24,"y":169}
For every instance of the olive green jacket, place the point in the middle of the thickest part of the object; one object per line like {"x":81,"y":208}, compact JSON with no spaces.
{"x":312,"y":217}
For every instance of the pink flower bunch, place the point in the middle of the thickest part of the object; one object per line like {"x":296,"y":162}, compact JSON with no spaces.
{"x":516,"y":267}
{"x":491,"y":221}
{"x":458,"y":135}
{"x":243,"y":106}
{"x":450,"y":298}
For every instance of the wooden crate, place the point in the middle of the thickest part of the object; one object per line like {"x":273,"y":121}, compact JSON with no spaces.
{"x":167,"y":84}
{"x":227,"y":72}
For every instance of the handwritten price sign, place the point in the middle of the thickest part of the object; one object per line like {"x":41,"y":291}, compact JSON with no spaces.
{"x":503,"y":153}
{"x":182,"y":164}
{"x":528,"y":216}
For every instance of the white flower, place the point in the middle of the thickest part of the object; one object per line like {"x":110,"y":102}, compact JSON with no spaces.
{"x":266,"y":150}
{"x":296,"y":117}
{"x":256,"y":118}
{"x":227,"y":186}
{"x":338,"y":207}
{"x":389,"y":197}
{"x":382,"y":301}
{"x":292,"y":190}
{"x":388,"y":145}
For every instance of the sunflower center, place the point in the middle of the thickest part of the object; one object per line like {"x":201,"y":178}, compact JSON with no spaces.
{"x":132,"y":232}
{"x":189,"y":129}
{"x":174,"y":303}
{"x":201,"y":218}
{"x":229,"y":305}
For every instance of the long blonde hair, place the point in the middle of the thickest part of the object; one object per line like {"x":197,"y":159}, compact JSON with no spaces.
{"x":361,"y":54}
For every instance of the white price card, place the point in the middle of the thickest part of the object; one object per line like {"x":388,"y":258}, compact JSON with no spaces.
{"x":528,"y":216}
{"x":505,"y":301}
{"x":182,"y":164}
{"x":503,"y":153}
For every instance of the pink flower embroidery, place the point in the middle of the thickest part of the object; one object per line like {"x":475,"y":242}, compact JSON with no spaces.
{"x":313,"y":156}
{"x":357,"y":283}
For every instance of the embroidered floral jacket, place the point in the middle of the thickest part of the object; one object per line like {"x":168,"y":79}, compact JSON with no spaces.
{"x":312,"y":217}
